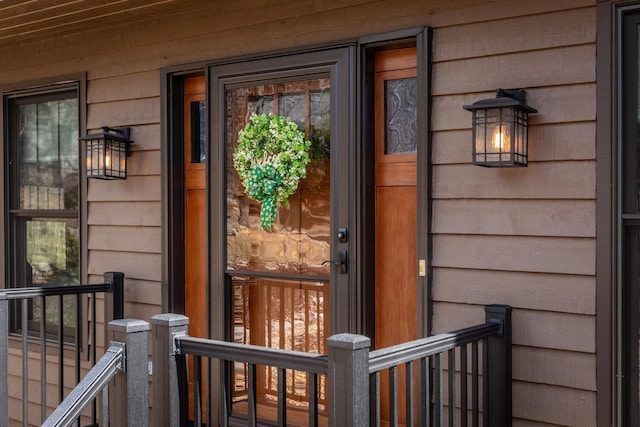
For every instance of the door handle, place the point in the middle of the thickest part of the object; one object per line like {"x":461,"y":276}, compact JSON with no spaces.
{"x":342,"y":261}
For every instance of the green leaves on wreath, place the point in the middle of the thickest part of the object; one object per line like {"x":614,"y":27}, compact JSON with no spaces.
{"x":271,"y":158}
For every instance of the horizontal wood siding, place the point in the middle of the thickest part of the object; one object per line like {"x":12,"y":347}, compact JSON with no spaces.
{"x":34,"y":383}
{"x":524,"y":237}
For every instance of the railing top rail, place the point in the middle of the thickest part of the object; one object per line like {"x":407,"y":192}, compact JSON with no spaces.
{"x":55,"y":290}
{"x":86,"y":391}
{"x":247,"y":353}
{"x":414,"y":350}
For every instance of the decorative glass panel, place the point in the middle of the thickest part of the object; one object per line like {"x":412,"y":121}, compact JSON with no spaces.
{"x":400,"y":115}
{"x":198,"y":132}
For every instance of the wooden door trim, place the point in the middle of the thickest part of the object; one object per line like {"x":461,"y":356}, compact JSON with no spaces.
{"x":421,"y":40}
{"x":172,"y":177}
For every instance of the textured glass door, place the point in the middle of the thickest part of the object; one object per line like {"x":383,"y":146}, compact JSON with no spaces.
{"x":278,"y":285}
{"x":279,"y":278}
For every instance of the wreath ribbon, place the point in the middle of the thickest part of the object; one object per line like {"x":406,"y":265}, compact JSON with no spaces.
{"x":263,"y":181}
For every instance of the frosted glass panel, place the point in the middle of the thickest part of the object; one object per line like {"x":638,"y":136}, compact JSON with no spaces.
{"x":400,"y":115}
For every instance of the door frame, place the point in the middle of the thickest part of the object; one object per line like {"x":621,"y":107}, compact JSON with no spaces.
{"x":172,"y":177}
{"x":365,"y":225}
{"x":356,"y":76}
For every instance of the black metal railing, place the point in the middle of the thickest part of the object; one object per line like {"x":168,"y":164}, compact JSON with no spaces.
{"x":441,"y":363}
{"x":68,"y":343}
{"x":353,"y":375}
{"x":120,"y":372}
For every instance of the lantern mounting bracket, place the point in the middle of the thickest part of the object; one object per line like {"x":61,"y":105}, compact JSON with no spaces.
{"x":124,"y":133}
{"x":517,"y":94}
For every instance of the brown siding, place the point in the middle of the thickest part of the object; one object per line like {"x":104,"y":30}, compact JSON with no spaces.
{"x":524,"y":237}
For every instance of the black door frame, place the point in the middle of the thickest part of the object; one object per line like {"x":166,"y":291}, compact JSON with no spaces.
{"x":351,"y":64}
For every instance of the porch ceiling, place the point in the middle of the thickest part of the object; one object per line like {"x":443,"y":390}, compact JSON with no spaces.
{"x":22,"y":20}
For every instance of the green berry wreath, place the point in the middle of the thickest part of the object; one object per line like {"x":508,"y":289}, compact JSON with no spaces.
{"x":271,"y":158}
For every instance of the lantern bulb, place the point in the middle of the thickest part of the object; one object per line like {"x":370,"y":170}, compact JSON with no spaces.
{"x":500,"y":142}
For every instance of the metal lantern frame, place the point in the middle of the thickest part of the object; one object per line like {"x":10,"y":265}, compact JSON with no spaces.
{"x":107,"y":153}
{"x":500,"y":129}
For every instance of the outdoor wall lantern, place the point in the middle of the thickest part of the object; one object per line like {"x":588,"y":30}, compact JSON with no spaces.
{"x":499,"y":125}
{"x":107,"y":153}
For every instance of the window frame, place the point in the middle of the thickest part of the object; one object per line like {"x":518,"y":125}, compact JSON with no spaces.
{"x":45,"y":88}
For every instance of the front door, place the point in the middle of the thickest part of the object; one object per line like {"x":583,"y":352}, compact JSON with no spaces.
{"x":342,"y":254}
{"x":287,"y":283}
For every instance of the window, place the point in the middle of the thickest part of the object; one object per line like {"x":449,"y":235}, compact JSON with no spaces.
{"x":42,"y":215}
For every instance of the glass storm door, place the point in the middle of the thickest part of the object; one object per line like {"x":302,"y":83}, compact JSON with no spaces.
{"x":283,"y":288}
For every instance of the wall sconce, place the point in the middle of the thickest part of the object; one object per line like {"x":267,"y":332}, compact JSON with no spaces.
{"x":107,"y":153}
{"x":500,"y":134}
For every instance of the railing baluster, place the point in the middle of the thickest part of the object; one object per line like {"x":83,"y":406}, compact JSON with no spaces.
{"x":393,"y":396}
{"x":409,"y":393}
{"x":43,"y":360}
{"x":4,"y":362}
{"x":60,"y":350}
{"x":91,"y":341}
{"x":105,"y":406}
{"x":183,"y":388}
{"x":227,"y":394}
{"x":25,"y":365}
{"x":474,"y":385}
{"x":282,"y":397}
{"x":374,"y":399}
{"x":197,"y":390}
{"x":78,"y":349}
{"x":253,"y":402}
{"x":437,"y":389}
{"x":452,"y":387}
{"x":313,"y":399}
{"x":463,"y":385}
{"x":425,"y":392}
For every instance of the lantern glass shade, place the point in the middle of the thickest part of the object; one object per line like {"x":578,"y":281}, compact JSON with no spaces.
{"x":106,"y":154}
{"x":500,"y":136}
